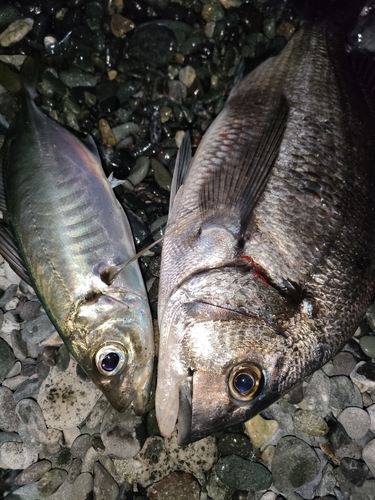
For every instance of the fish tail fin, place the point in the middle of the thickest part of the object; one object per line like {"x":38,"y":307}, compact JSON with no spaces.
{"x":24,"y":82}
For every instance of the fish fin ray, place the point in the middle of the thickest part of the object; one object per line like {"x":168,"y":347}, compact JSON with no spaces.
{"x":10,"y":251}
{"x":183,"y":161}
{"x":246,"y":173}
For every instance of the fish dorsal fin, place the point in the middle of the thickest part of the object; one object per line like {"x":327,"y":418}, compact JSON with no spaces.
{"x":242,"y":181}
{"x":181,"y":168}
{"x":10,"y":251}
{"x":89,"y":142}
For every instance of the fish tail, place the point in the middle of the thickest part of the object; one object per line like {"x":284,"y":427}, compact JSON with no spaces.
{"x":22,"y":83}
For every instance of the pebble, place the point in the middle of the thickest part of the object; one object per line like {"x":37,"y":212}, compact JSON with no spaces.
{"x":16,"y":31}
{"x":242,"y":474}
{"x":65,"y":399}
{"x":317,"y":394}
{"x":176,"y":486}
{"x":294,"y":464}
{"x":28,"y":439}
{"x":343,"y":363}
{"x":81,"y":445}
{"x":187,"y":75}
{"x":75,"y":77}
{"x":216,"y":488}
{"x":370,"y":316}
{"x":108,"y":137}
{"x":70,"y":435}
{"x":212,"y":12}
{"x":309,"y":423}
{"x":83,"y":486}
{"x":121,"y":25}
{"x":162,"y":176}
{"x":51,"y":482}
{"x":260,"y":430}
{"x":153,"y":45}
{"x":140,"y":171}
{"x":33,"y":473}
{"x":37,"y":330}
{"x":363,"y":376}
{"x":344,"y":393}
{"x":15,"y":455}
{"x":29,"y":412}
{"x":355,"y":471}
{"x":237,"y":444}
{"x":8,"y":417}
{"x":356,"y":422}
{"x":104,"y":485}
{"x":6,"y":359}
{"x":367,"y":344}
{"x":368,"y":455}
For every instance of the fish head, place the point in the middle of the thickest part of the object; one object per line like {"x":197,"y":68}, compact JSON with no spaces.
{"x":220,"y":369}
{"x":113,"y":342}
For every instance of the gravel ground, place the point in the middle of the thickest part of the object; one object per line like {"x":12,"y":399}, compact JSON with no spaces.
{"x":135,"y":75}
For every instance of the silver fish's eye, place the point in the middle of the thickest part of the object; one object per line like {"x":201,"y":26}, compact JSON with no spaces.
{"x":245,"y":381}
{"x":110,"y":359}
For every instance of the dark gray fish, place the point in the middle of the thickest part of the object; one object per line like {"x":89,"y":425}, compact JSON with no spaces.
{"x":268,"y":261}
{"x":69,"y":237}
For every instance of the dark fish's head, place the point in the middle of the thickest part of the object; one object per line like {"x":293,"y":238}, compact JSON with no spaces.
{"x":113,"y":342}
{"x":220,"y":369}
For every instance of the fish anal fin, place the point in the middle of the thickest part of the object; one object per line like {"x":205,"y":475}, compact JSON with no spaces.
{"x":181,"y":168}
{"x":10,"y":251}
{"x":240,"y":183}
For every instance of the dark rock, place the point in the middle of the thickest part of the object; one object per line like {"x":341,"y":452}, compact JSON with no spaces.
{"x":6,"y":359}
{"x":242,"y":474}
{"x":176,"y":486}
{"x":104,"y":484}
{"x":153,"y":45}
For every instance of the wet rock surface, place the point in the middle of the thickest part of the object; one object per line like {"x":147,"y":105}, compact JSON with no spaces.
{"x":136,"y":75}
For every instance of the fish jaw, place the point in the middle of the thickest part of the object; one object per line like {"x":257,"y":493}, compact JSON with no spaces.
{"x":116,"y":323}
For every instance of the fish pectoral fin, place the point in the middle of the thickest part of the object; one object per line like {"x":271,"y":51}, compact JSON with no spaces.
{"x":181,"y":168}
{"x":242,"y":181}
{"x":11,"y":253}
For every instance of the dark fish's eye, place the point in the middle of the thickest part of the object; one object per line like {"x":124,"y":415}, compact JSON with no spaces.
{"x":110,"y":359}
{"x":245,"y":381}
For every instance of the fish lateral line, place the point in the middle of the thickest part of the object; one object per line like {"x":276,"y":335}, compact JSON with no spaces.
{"x":258,"y":270}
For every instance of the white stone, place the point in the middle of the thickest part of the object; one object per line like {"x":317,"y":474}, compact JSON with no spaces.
{"x":368,"y":455}
{"x":16,"y":31}
{"x":65,"y":399}
{"x":356,"y":422}
{"x":371,"y":412}
{"x":16,"y":456}
{"x":70,"y":435}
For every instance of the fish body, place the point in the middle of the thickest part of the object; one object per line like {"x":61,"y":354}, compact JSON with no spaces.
{"x":73,"y":237}
{"x":268,"y":260}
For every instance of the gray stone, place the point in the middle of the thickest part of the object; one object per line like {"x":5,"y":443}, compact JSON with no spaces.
{"x":242,"y":474}
{"x":317,"y":394}
{"x":140,"y":171}
{"x":343,"y":363}
{"x":29,"y":310}
{"x":75,"y":470}
{"x":344,"y":393}
{"x":15,"y":455}
{"x":82,"y":487}
{"x":14,"y":382}
{"x":19,"y":346}
{"x":62,"y":459}
{"x":97,"y":414}
{"x":37,"y":329}
{"x":8,"y":437}
{"x":294,"y":464}
{"x":368,"y":455}
{"x":327,"y":483}
{"x":216,"y":488}
{"x":75,"y":77}
{"x":367,"y":344}
{"x":370,"y":316}
{"x":81,"y":445}
{"x":122,"y":433}
{"x":6,"y":359}
{"x":8,"y":294}
{"x":161,"y":174}
{"x":365,"y":492}
{"x":363,"y":376}
{"x":356,"y":422}
{"x":152,"y":44}
{"x":8,"y":417}
{"x":371,"y":412}
{"x":237,"y":444}
{"x":31,"y":415}
{"x":28,"y":388}
{"x":15,"y":370}
{"x":309,"y":423}
{"x":51,"y":482}
{"x":33,"y":473}
{"x":63,"y":358}
{"x":104,"y":484}
{"x":89,"y":459}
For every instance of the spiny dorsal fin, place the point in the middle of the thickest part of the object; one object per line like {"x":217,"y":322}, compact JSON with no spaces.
{"x":181,"y":168}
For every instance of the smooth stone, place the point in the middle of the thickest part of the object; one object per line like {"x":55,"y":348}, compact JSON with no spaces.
{"x":8,"y":417}
{"x":365,"y":492}
{"x":16,"y":31}
{"x":63,"y":358}
{"x":28,"y":439}
{"x":37,"y":329}
{"x":89,"y":459}
{"x":62,"y":459}
{"x":317,"y":394}
{"x":343,"y":363}
{"x":19,"y":346}
{"x":195,"y":457}
{"x":121,"y":25}
{"x":9,"y":436}
{"x":65,"y":399}
{"x":122,"y":433}
{"x":8,"y":14}
{"x":28,"y":388}
{"x":363,"y":376}
{"x":216,"y":488}
{"x":140,"y":171}
{"x":75,"y":470}
{"x":104,"y":484}
{"x":176,"y":486}
{"x":327,"y":483}
{"x":161,"y":174}
{"x":344,"y":393}
{"x":30,"y":413}
{"x":370,"y":316}
{"x":243,"y":474}
{"x":81,"y":445}
{"x":51,"y":482}
{"x":75,"y":77}
{"x":371,"y":411}
{"x":187,"y":75}
{"x":212,"y":12}
{"x":237,"y":444}
{"x":294,"y":464}
{"x":70,"y":435}
{"x":177,"y":91}
{"x":355,"y":471}
{"x":29,"y":310}
{"x":33,"y":473}
{"x":153,"y":45}
{"x":367,"y":344}
{"x":83,"y":486}
{"x":54,"y":438}
{"x":356,"y":422}
{"x":368,"y":455}
{"x":260,"y":430}
{"x":15,"y":455}
{"x":6,"y":359}
{"x":309,"y":423}
{"x":15,"y":370}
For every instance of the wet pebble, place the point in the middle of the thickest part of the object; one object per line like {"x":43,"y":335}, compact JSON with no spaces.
{"x":104,"y":484}
{"x":162,"y":176}
{"x":75,"y":77}
{"x":367,"y":344}
{"x":33,"y":473}
{"x":294,"y":464}
{"x":121,"y":25}
{"x":16,"y":31}
{"x":152,"y":44}
{"x":176,"y":486}
{"x":356,"y":422}
{"x":29,"y":413}
{"x":242,"y":474}
{"x":51,"y":482}
{"x":6,"y":359}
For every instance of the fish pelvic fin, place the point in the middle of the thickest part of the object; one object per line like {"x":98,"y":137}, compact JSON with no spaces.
{"x":246,"y":173}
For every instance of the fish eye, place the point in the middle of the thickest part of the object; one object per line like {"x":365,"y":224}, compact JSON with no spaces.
{"x":245,"y":381}
{"x":110,"y":359}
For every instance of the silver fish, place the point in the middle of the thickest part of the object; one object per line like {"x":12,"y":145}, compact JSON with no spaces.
{"x":268,"y":261}
{"x":74,"y":238}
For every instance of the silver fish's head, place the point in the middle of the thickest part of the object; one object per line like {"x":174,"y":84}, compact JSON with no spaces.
{"x":223,"y":368}
{"x":111,"y":339}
